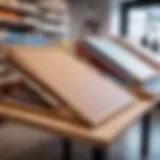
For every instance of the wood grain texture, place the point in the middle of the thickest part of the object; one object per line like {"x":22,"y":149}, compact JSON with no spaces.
{"x":91,"y":95}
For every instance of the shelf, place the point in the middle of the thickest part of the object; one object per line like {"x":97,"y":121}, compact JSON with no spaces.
{"x":53,"y":18}
{"x":58,"y":8}
{"x":15,"y":25}
{"x":35,"y":16}
{"x":21,"y":10}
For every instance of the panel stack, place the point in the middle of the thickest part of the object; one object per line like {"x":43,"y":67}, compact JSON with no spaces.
{"x":122,"y":64}
{"x":33,"y":22}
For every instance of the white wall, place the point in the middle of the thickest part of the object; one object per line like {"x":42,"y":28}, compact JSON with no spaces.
{"x":115,"y":16}
{"x":108,"y":11}
{"x":78,"y":10}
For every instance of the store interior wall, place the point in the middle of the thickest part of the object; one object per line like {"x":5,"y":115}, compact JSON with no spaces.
{"x":78,"y":11}
{"x":107,"y":11}
{"x":114,"y":25}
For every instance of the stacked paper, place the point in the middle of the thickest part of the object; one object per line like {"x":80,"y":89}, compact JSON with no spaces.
{"x":122,"y":63}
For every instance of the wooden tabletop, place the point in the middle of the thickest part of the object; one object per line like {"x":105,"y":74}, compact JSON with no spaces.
{"x":62,"y":121}
{"x":92,"y":96}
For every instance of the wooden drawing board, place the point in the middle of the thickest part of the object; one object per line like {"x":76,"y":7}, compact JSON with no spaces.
{"x":92,"y":96}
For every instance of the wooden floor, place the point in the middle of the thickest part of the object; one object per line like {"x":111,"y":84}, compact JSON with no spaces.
{"x":20,"y":142}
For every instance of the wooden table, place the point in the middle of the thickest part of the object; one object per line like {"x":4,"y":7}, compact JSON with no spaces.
{"x":61,"y":121}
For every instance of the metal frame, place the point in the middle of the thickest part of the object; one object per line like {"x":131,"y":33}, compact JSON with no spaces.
{"x":100,"y":154}
{"x":66,"y":149}
{"x":145,"y":145}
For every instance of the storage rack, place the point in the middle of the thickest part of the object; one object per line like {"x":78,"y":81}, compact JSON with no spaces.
{"x":47,"y":18}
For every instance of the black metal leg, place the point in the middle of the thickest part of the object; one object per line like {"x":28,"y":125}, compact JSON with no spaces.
{"x":146,"y":124}
{"x":99,"y":154}
{"x":2,"y":121}
{"x":66,"y":149}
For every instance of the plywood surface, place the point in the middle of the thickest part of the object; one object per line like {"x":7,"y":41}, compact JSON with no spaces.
{"x":62,"y":121}
{"x":93,"y":96}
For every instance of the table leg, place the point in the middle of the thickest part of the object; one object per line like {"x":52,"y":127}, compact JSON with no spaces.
{"x":2,"y":121}
{"x":66,"y":149}
{"x":99,"y":154}
{"x":146,"y":124}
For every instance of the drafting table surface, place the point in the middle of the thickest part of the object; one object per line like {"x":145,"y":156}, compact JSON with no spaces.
{"x":93,"y":96}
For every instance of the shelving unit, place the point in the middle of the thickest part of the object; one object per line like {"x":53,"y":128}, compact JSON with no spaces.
{"x":46,"y":18}
{"x":30,"y":22}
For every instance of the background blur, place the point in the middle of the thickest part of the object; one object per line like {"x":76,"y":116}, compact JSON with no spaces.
{"x":61,"y":22}
{"x":50,"y":21}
